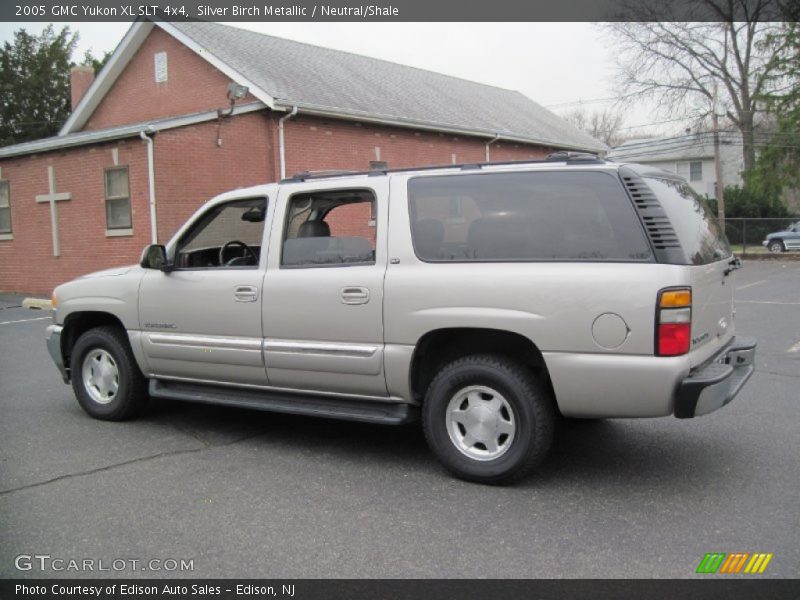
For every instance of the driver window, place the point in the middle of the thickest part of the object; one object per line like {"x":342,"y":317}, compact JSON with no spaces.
{"x":228,"y":235}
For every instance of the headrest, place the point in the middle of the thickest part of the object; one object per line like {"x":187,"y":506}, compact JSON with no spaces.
{"x":314,"y":229}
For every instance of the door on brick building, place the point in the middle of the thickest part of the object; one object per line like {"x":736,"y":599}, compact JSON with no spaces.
{"x":202,"y":321}
{"x":323,"y":292}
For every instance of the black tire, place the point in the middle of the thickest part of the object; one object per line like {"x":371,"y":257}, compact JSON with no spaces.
{"x":131,"y":393}
{"x":533,"y":414}
{"x":776,"y":247}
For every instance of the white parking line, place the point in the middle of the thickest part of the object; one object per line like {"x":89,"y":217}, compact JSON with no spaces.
{"x":24,"y":320}
{"x":795,"y":348}
{"x":744,"y":287}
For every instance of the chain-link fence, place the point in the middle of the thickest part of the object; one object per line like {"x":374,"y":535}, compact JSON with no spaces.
{"x":747,"y":234}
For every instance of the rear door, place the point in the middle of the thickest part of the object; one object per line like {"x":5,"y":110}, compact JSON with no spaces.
{"x":708,"y":257}
{"x":323,"y":292}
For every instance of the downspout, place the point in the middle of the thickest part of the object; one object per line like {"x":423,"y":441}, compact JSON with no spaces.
{"x":489,"y":143}
{"x":281,"y":140}
{"x":151,"y":176}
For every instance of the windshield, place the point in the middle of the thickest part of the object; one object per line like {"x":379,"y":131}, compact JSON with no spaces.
{"x":699,"y":232}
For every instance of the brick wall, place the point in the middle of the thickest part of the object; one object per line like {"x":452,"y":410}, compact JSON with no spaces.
{"x":193,"y":85}
{"x":27,"y":263}
{"x":314,"y":143}
{"x":191,"y":167}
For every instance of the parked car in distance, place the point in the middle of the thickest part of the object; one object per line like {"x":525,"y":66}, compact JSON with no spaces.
{"x":783,"y":241}
{"x":486,"y":299}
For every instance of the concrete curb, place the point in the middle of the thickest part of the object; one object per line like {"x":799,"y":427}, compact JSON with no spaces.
{"x":37,"y":303}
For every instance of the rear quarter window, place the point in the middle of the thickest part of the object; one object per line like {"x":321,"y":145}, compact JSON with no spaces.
{"x":529,"y":216}
{"x":698,"y":231}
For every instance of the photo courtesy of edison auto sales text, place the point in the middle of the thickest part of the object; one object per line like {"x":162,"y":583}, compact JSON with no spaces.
{"x":124,"y":589}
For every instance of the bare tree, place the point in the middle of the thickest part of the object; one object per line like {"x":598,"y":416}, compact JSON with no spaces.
{"x":604,"y":125}
{"x":687,"y":66}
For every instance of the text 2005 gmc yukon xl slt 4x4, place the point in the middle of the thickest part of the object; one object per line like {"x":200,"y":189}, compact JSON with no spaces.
{"x":487,"y":299}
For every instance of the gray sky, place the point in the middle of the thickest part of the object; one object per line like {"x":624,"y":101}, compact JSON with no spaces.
{"x":558,"y":65}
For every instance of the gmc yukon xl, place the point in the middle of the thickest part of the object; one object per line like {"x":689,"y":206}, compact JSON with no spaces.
{"x":487,"y":300}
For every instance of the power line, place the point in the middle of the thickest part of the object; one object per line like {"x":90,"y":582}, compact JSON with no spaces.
{"x":678,"y":148}
{"x":645,"y":125}
{"x":591,"y":101}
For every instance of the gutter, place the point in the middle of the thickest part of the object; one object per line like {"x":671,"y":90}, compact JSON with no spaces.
{"x":151,"y":176}
{"x":83,"y":138}
{"x":489,"y":143}
{"x":282,"y":140}
{"x":323,"y":111}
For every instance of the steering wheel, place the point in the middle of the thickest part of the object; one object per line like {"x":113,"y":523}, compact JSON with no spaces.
{"x":247,"y":251}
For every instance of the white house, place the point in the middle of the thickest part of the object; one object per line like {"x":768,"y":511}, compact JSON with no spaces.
{"x":689,"y":155}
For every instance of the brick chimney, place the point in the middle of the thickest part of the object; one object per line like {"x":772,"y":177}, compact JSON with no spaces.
{"x":80,"y":78}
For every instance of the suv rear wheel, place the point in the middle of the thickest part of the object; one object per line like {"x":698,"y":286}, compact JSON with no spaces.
{"x":105,"y":377}
{"x":487,"y":419}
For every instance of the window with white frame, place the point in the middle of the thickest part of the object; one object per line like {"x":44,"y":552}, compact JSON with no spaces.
{"x":691,"y":171}
{"x":118,"y":199}
{"x":5,"y":207}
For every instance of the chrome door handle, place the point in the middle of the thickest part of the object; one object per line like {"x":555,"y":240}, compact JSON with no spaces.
{"x":245,"y":293}
{"x":355,"y":295}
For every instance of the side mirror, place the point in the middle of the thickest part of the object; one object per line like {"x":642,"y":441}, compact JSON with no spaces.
{"x":154,"y":256}
{"x":254,"y":215}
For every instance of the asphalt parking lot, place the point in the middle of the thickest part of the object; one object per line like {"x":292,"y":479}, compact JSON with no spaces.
{"x":248,"y":494}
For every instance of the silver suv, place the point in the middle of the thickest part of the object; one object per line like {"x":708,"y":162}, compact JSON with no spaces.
{"x":487,"y":299}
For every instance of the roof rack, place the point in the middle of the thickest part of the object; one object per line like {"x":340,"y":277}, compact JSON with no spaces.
{"x":568,"y":157}
{"x":564,"y":155}
{"x":303,"y":175}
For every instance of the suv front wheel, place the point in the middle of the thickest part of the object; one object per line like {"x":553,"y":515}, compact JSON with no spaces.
{"x":487,"y":419}
{"x":776,"y":247}
{"x":105,"y":377}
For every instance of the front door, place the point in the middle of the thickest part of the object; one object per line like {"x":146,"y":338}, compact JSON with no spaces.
{"x":202,"y":321}
{"x":323,"y":293}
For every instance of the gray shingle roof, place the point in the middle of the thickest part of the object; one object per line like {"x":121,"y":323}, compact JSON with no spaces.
{"x":309,"y":76}
{"x":680,"y":147}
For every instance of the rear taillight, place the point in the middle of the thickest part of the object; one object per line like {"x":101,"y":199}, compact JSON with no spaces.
{"x":674,"y":321}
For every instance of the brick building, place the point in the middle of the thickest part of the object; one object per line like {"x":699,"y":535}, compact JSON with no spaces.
{"x":156,"y":133}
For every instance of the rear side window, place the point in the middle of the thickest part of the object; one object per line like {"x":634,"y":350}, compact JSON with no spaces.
{"x":524,"y":217}
{"x":699,"y":233}
{"x":330,"y":228}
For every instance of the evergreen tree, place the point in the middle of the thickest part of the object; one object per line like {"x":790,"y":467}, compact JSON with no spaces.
{"x":35,"y":84}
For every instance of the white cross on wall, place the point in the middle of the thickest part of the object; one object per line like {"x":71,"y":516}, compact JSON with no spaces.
{"x":52,"y":198}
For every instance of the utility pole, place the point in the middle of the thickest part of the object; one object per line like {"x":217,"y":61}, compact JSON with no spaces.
{"x":717,"y":166}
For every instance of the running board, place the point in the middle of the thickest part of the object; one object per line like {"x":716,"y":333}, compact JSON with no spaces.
{"x":329,"y":407}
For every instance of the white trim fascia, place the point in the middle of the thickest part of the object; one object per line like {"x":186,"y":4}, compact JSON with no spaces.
{"x":220,"y":65}
{"x":122,"y":131}
{"x":108,"y":75}
{"x":412,"y":124}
